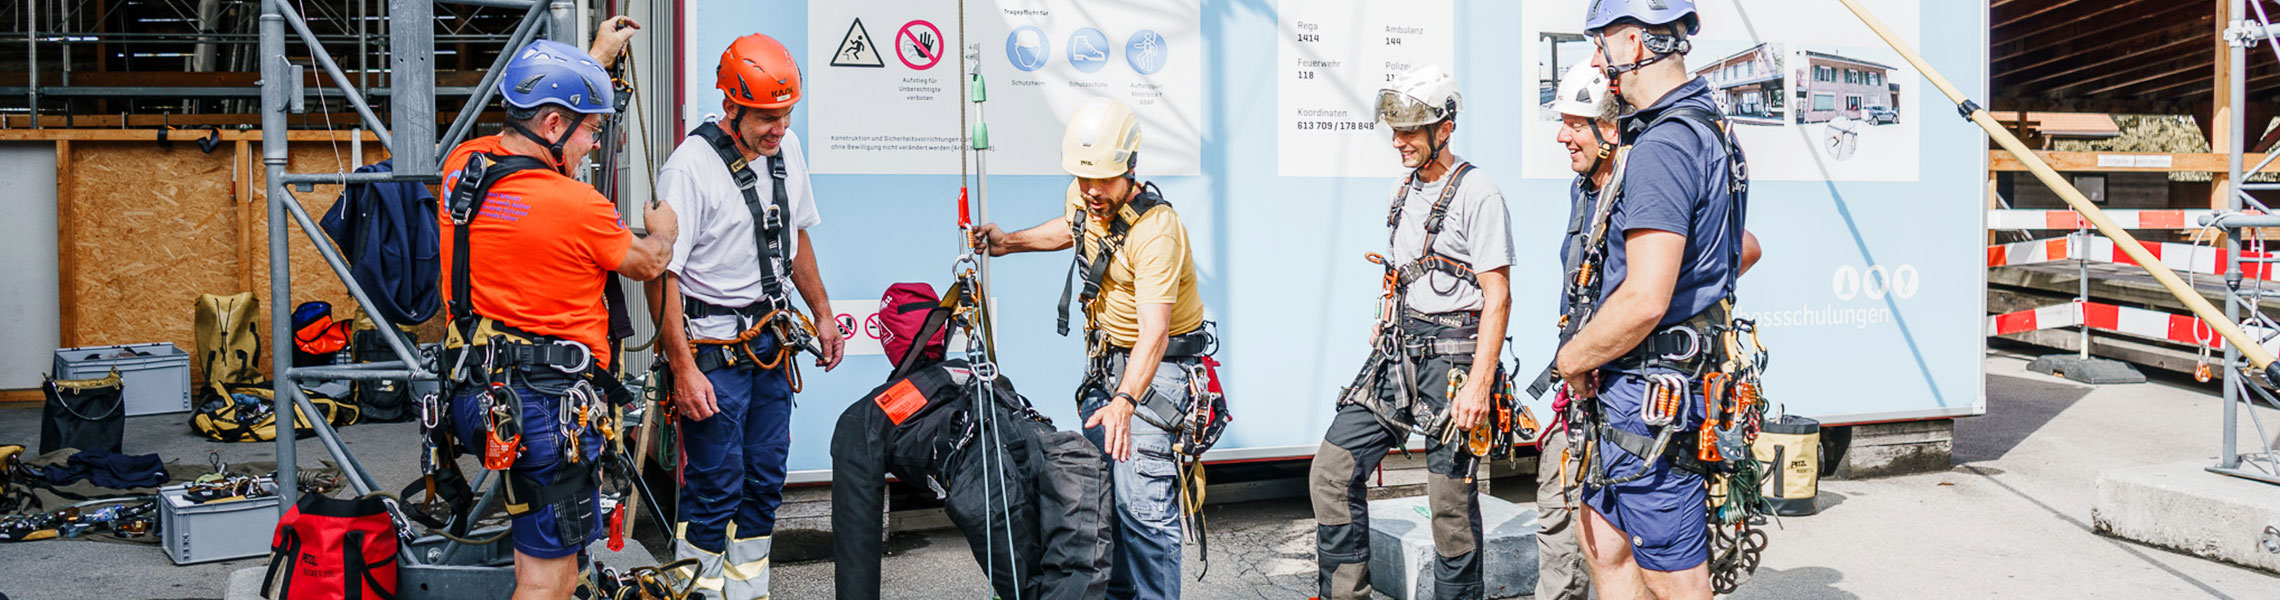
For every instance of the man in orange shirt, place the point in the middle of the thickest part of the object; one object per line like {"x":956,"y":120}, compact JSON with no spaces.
{"x":529,"y":249}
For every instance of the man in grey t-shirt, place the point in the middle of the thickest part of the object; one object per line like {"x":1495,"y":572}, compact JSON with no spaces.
{"x":1450,"y":251}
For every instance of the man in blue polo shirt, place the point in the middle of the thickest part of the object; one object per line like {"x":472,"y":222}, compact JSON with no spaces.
{"x":1673,"y":247}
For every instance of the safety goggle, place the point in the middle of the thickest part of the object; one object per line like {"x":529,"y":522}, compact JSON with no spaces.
{"x":1402,"y":111}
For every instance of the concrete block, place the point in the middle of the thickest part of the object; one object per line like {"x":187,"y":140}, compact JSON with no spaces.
{"x":1887,"y":449}
{"x":1401,"y":548}
{"x":2184,"y":507}
{"x":2093,"y":371}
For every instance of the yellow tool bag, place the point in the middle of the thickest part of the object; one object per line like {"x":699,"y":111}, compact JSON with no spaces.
{"x":229,"y":351}
{"x":1792,"y":446}
{"x":245,"y":413}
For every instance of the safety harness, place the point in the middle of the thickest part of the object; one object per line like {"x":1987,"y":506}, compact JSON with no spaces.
{"x":1712,"y":350}
{"x":485,"y":354}
{"x":772,"y":235}
{"x":1397,"y":353}
{"x":1196,"y":424}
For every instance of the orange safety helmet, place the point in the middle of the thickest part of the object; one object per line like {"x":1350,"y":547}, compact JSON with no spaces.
{"x":758,"y":72}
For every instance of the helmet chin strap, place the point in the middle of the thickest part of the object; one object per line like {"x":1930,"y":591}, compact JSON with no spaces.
{"x":1606,"y":149}
{"x":1432,"y":153}
{"x":553,"y":147}
{"x":735,"y":131}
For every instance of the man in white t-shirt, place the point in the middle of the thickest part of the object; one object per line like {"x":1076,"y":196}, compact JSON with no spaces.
{"x":726,"y":318}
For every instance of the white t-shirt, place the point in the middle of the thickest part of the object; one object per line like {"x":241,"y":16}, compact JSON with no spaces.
{"x":715,"y":258}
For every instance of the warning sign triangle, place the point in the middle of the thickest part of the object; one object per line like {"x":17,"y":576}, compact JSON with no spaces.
{"x":856,"y":49}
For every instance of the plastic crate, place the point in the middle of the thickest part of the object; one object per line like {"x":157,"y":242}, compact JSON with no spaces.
{"x":156,"y":376}
{"x":196,"y":533}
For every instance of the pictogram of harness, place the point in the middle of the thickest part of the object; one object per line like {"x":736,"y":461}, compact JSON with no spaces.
{"x":1396,"y":352}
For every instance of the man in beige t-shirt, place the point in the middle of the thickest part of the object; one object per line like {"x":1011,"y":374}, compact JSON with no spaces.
{"x":1144,"y":333}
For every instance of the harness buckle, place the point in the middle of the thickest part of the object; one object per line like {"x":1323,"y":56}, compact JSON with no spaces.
{"x":1693,"y":344}
{"x":585,"y":358}
{"x":772,"y":218}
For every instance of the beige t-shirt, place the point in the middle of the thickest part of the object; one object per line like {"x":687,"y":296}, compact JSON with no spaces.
{"x":1154,"y":266}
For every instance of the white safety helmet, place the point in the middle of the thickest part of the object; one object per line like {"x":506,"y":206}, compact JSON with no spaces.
{"x":1582,"y":93}
{"x":1103,"y":140}
{"x":1423,"y":96}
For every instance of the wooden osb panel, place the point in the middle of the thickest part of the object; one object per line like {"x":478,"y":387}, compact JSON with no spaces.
{"x":157,"y":228}
{"x":152,"y":229}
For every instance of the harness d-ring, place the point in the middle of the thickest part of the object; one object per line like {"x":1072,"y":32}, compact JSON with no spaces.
{"x":1693,"y":344}
{"x":585,"y":357}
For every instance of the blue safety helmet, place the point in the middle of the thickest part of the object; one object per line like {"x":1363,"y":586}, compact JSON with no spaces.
{"x":1603,"y":13}
{"x":551,"y":72}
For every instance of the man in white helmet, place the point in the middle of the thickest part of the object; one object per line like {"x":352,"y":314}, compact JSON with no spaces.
{"x":1144,"y":335}
{"x":1655,"y":276}
{"x":1437,"y":337}
{"x":1589,"y":119}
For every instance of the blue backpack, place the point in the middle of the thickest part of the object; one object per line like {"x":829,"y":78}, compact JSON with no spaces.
{"x":387,"y":233}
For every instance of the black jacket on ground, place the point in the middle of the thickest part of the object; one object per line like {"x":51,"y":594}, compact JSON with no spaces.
{"x":1041,"y":531}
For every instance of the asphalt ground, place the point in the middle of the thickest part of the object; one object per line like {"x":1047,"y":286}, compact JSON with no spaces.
{"x":2009,"y":520}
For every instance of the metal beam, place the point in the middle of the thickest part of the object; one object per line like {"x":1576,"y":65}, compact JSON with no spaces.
{"x":273,"y":159}
{"x":193,"y":92}
{"x":411,"y":56}
{"x":491,"y":3}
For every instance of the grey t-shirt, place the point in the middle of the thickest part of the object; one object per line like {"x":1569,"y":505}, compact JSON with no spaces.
{"x":1475,"y":232}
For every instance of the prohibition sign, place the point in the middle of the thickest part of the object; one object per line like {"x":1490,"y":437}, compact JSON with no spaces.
{"x":919,"y":45}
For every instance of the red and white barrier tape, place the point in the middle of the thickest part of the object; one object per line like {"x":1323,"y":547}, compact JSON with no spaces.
{"x":2068,"y":219}
{"x":2180,"y":329}
{"x":2189,"y":258}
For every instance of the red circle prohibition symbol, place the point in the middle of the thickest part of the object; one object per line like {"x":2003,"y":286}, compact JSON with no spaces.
{"x":927,"y":43}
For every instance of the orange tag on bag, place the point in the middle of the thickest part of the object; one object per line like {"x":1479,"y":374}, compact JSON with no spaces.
{"x":901,"y":401}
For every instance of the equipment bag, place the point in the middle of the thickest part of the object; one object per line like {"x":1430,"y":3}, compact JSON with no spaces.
{"x":901,"y":320}
{"x":385,"y":400}
{"x":88,"y":414}
{"x":1792,"y":446}
{"x":317,"y":337}
{"x":245,"y":413}
{"x":229,"y":351}
{"x":333,"y":549}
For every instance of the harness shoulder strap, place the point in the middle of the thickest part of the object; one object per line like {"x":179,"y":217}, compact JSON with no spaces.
{"x":1440,"y":215}
{"x":769,"y":231}
{"x":1737,"y":174}
{"x":463,"y":204}
{"x":1095,"y":269}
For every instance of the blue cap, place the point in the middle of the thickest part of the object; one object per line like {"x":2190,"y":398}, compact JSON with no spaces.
{"x":551,"y":72}
{"x":1647,"y":12}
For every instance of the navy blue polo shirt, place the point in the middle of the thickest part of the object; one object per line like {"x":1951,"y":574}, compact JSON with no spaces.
{"x":1676,"y":180}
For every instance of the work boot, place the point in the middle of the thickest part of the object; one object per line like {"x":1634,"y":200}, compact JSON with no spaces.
{"x":746,"y":568}
{"x":709,"y":580}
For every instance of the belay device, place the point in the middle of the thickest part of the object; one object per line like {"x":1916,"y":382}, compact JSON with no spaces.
{"x":1712,"y":353}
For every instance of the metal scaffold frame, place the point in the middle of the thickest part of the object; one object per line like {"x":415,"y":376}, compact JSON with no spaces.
{"x":2243,"y":32}
{"x":443,"y":568}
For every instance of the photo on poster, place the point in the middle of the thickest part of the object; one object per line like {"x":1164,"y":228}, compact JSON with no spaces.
{"x":1808,"y":101}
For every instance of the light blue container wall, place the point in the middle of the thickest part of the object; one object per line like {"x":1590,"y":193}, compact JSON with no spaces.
{"x":1281,"y":257}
